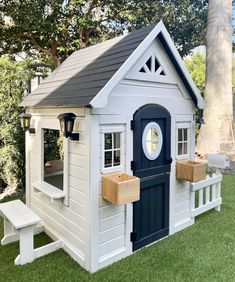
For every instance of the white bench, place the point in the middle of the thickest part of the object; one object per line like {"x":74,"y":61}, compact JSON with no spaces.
{"x":19,"y":224}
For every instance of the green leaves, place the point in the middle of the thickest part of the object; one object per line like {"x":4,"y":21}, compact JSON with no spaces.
{"x":57,"y":28}
{"x":196,"y":66}
{"x":14,"y":78}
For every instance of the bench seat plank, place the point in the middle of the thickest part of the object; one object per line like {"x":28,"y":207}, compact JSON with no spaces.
{"x":19,"y":214}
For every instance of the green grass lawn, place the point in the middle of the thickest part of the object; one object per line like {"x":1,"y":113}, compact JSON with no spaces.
{"x":203,"y":252}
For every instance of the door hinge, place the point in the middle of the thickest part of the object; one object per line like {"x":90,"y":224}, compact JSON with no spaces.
{"x":133,"y":236}
{"x":132,"y":165}
{"x":132,"y":125}
{"x":169,"y":161}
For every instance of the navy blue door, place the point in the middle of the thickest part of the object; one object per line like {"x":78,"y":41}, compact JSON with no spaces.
{"x":151,"y":163}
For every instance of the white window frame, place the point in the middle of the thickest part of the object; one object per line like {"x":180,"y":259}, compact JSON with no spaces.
{"x":65,"y":192}
{"x":185,"y":125}
{"x":113,"y":129}
{"x":144,"y":140}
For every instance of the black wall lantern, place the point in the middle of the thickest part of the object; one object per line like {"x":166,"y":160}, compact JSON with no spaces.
{"x":25,"y":120}
{"x":199,"y":118}
{"x":66,"y":125}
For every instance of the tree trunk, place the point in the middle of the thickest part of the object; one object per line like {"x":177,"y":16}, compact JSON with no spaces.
{"x":217,"y":135}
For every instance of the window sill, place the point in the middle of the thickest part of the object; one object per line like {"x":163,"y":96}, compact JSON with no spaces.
{"x":49,"y":190}
{"x":107,"y":170}
{"x":182,"y":157}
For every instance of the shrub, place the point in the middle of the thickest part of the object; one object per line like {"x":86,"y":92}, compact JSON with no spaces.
{"x":14,"y":78}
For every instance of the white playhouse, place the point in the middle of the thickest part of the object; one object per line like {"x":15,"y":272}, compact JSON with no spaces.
{"x":107,"y":186}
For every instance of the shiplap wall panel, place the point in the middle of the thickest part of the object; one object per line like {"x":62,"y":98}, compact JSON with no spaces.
{"x":77,"y":195}
{"x":112,"y":233}
{"x":78,"y":160}
{"x":77,"y":184}
{"x":76,"y":147}
{"x":112,"y":245}
{"x":184,"y":205}
{"x":68,"y":222}
{"x":59,"y":217}
{"x":110,"y":211}
{"x":64,"y":233}
{"x":182,"y":201}
{"x":102,"y":202}
{"x":112,"y":219}
{"x":115,"y":220}
{"x":78,"y":172}
{"x":124,"y":101}
{"x":77,"y":207}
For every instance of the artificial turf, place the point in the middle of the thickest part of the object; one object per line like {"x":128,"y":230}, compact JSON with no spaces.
{"x":202,"y":252}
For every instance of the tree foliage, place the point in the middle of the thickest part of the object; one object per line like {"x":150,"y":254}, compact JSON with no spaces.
{"x":14,"y":77}
{"x":196,"y":66}
{"x":55,"y":28}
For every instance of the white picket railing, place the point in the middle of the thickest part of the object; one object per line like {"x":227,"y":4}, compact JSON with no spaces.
{"x":209,"y":194}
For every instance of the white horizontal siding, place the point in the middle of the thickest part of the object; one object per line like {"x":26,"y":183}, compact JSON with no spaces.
{"x":77,"y":184}
{"x":110,"y":210}
{"x":64,"y":233}
{"x":78,"y":172}
{"x":78,"y":160}
{"x":77,"y":195}
{"x":182,"y":202}
{"x":77,"y":207}
{"x":112,"y":233}
{"x":112,"y":218}
{"x":59,"y":216}
{"x":62,"y":209}
{"x":77,"y":147}
{"x":115,"y":220}
{"x":102,"y":202}
{"x":181,"y":197}
{"x":184,"y":205}
{"x":70,"y":223}
{"x":112,"y":245}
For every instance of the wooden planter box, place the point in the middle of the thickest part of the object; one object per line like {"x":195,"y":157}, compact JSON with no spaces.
{"x":190,"y":170}
{"x":120,"y":188}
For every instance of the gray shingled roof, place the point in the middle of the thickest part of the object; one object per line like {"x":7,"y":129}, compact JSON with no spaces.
{"x":83,"y":74}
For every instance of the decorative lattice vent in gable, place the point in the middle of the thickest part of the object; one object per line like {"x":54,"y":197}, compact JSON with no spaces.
{"x":153,"y":66}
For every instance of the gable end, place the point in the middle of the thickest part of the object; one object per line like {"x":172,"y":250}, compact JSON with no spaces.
{"x":177,"y":67}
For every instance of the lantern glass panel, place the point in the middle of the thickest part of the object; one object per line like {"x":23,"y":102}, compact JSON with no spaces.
{"x":26,"y":122}
{"x":69,"y":128}
{"x":62,"y":126}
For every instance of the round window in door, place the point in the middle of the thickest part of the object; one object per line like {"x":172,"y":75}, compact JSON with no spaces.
{"x":152,"y":140}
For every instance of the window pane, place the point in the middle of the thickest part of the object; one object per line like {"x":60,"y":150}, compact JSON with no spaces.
{"x":185,"y":148}
{"x":149,"y":135}
{"x":180,"y":148}
{"x":185,"y":134}
{"x":180,"y":134}
{"x":116,"y":158}
{"x":108,"y":141}
{"x":53,"y":158}
{"x":155,"y":135}
{"x":116,"y":137}
{"x":107,"y":159}
{"x":152,"y":140}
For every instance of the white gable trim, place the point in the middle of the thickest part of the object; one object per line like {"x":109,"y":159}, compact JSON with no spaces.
{"x":135,"y":74}
{"x":101,"y":99}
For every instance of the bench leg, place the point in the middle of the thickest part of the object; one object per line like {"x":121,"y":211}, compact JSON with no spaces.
{"x":9,"y":233}
{"x":26,"y":246}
